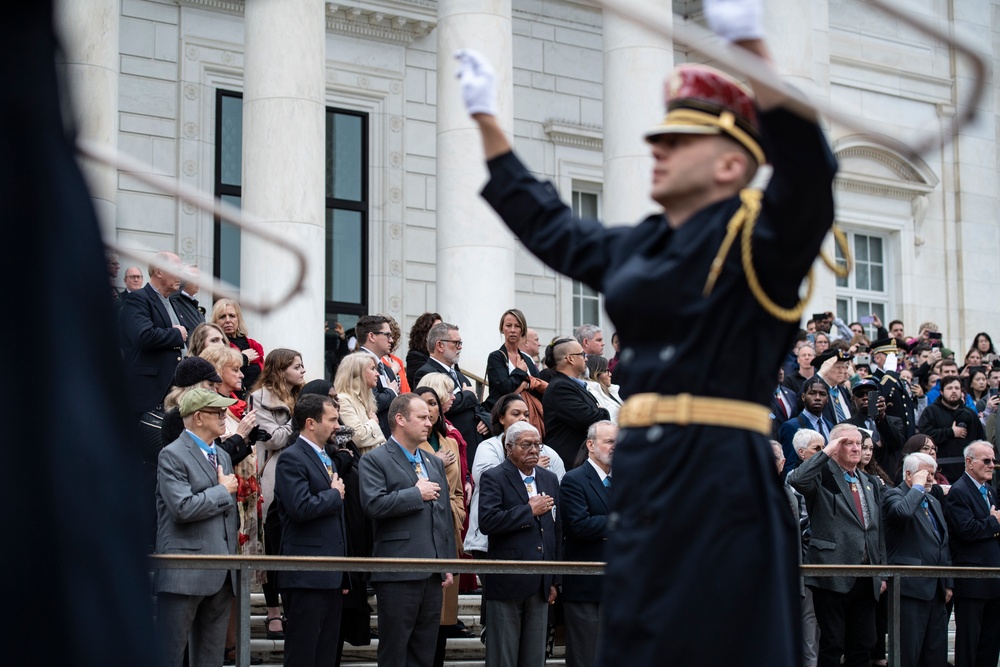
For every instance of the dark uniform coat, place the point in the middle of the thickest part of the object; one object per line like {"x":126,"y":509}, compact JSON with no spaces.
{"x":653,"y":276}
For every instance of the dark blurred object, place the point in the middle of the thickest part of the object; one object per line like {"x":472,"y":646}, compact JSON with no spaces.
{"x":73,"y":549}
{"x":257,"y":434}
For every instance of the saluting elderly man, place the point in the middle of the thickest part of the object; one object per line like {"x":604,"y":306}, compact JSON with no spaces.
{"x":688,"y":438}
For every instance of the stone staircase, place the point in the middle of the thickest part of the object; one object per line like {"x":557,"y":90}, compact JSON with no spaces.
{"x":460,"y":652}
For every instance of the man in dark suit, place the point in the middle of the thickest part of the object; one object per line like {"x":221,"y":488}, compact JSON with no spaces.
{"x":584,"y":504}
{"x":153,"y":337}
{"x":444,"y":343}
{"x":887,"y":431}
{"x":832,"y":366}
{"x":375,"y":337}
{"x":196,"y":514}
{"x":405,"y":493}
{"x":916,"y":534}
{"x":186,"y":305}
{"x":309,"y":498}
{"x":569,"y":408}
{"x":814,"y":400}
{"x":517,"y":506}
{"x":784,"y":403}
{"x":974,"y":531}
{"x":846,"y":517}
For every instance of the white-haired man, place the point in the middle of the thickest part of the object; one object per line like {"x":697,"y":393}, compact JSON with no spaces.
{"x":974,"y":531}
{"x":916,"y":534}
{"x":591,"y":337}
{"x":846,"y":516}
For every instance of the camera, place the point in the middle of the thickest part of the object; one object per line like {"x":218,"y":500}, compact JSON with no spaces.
{"x":862,"y":359}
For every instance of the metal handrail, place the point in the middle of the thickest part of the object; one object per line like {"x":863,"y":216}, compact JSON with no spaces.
{"x":242,"y":565}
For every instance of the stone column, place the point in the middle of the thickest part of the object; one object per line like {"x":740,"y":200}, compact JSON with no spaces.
{"x":283,"y":168}
{"x":475,"y":250}
{"x":637,"y":62}
{"x":89,"y":33}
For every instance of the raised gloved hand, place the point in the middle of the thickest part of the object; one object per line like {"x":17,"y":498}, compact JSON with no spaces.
{"x":479,"y":85}
{"x":735,"y":20}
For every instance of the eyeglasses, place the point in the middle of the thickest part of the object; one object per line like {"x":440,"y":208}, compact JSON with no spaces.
{"x":577,"y":354}
{"x":928,"y":448}
{"x":528,"y":447}
{"x":221,"y":412}
{"x":387,"y":334}
{"x":456,"y":343}
{"x":988,"y":462}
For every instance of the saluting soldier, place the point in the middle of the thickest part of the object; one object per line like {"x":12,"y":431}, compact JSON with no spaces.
{"x":701,"y":535}
{"x":898,"y":400}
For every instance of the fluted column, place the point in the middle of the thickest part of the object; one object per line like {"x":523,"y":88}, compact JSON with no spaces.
{"x":637,"y":62}
{"x":89,"y":33}
{"x":475,"y":251}
{"x":283,"y":167}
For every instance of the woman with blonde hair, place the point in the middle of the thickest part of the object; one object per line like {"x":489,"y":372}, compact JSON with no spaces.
{"x":356,"y":376}
{"x":226,"y":313}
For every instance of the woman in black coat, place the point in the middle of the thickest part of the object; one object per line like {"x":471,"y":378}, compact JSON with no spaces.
{"x":508,"y":370}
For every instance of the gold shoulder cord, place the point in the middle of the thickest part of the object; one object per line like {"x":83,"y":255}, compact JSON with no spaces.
{"x":744,"y":219}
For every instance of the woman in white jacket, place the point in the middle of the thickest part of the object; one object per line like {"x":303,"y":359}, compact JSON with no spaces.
{"x":599,"y":384}
{"x":356,"y":376}
{"x":509,"y":409}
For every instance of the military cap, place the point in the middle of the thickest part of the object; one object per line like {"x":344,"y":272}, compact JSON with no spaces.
{"x":841,"y":355}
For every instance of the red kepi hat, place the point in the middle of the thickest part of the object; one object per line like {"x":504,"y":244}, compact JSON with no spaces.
{"x":703,"y":100}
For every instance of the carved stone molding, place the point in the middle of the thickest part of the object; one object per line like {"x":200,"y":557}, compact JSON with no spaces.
{"x":400,"y":21}
{"x":564,"y":133}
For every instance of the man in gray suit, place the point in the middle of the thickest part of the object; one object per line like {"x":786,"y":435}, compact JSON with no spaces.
{"x":404,"y":491}
{"x":195,"y":514}
{"x":845,"y":509}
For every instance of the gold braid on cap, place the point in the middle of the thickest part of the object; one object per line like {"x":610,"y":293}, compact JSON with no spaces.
{"x":726,"y":122}
{"x":744,"y":219}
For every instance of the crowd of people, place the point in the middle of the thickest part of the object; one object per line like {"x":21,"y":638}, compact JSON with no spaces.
{"x":245,"y":454}
{"x":887,"y":451}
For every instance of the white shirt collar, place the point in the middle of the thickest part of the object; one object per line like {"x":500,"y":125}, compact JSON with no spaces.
{"x":600,"y":473}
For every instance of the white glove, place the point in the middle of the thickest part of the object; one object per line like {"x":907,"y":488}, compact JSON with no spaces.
{"x":891,"y":363}
{"x":735,"y":20}
{"x":479,"y":85}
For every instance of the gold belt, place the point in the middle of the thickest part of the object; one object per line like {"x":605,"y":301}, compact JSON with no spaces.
{"x":644,"y":410}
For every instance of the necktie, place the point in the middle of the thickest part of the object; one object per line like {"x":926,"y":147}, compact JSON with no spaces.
{"x":853,"y":481}
{"x":454,"y":376}
{"x":821,"y":427}
{"x":986,"y":495}
{"x":328,"y":462}
{"x":835,"y":397}
{"x":213,"y":459}
{"x":870,"y":425}
{"x":781,"y":403}
{"x":607,"y":482}
{"x":529,"y":483}
{"x":931,"y":519}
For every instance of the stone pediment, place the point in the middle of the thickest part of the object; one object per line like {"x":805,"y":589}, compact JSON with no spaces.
{"x":881,"y":166}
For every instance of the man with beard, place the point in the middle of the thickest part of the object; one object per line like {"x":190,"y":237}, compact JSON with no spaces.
{"x":846,"y":517}
{"x":951,"y":425}
{"x":584,"y":503}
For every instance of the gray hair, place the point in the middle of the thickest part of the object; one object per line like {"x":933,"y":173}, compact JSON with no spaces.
{"x":912,"y":462}
{"x":515,"y":431}
{"x":592,"y":431}
{"x":437,"y":333}
{"x":842,"y":429}
{"x":968,"y":451}
{"x":586,"y":332}
{"x":804,"y":437}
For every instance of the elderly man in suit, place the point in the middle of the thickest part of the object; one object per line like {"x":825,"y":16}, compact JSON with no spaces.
{"x":405,"y":493}
{"x":974,"y":530}
{"x":845,"y":510}
{"x":517,"y":506}
{"x":309,"y":499}
{"x":153,"y":337}
{"x":916,"y":534}
{"x":568,"y":407}
{"x":584,"y":504}
{"x":196,"y":514}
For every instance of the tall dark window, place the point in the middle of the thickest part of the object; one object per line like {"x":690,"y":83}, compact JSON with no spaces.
{"x":346,"y":238}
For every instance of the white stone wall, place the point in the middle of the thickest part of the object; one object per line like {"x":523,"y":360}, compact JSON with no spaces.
{"x":939,"y":212}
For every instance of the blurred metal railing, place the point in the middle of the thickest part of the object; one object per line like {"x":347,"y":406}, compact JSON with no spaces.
{"x":243,"y":565}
